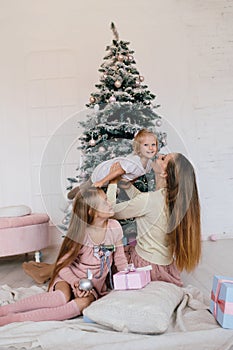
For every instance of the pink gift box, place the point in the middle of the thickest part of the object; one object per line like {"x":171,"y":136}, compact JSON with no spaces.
{"x":136,"y":279}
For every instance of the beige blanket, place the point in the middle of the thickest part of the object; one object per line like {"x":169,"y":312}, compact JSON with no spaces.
{"x":192,"y":327}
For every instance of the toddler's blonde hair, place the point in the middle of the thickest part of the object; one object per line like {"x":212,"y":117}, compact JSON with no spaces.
{"x":139,"y":137}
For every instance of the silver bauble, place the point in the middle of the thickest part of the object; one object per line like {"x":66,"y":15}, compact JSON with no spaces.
{"x":96,"y":107}
{"x":65,"y":221}
{"x":164,"y":142}
{"x":85,"y":284}
{"x":158,"y":122}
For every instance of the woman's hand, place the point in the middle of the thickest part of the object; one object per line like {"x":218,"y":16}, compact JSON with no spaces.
{"x":125,"y":184}
{"x":98,"y":184}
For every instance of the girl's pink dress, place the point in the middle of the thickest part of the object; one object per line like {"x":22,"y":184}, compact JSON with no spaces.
{"x":90,"y":257}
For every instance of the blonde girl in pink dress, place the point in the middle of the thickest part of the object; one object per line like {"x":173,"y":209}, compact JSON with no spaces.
{"x":93,"y":242}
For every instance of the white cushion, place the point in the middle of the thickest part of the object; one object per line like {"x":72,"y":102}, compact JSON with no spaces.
{"x":15,"y":210}
{"x":147,"y":310}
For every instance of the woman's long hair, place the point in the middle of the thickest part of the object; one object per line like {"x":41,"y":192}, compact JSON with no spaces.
{"x":184,"y":213}
{"x":85,"y":204}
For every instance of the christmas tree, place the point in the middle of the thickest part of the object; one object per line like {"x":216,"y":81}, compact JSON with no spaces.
{"x":121,"y":105}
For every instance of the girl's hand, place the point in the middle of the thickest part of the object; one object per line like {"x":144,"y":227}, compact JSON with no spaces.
{"x":81,"y":293}
{"x":98,"y":184}
{"x":115,"y":166}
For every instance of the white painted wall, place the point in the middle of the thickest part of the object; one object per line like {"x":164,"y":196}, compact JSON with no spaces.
{"x":50,"y":54}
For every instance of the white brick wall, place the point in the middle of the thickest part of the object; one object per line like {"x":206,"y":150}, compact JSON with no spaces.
{"x":183,"y":49}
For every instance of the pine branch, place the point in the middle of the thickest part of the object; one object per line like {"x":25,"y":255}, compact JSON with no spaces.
{"x":115,"y":33}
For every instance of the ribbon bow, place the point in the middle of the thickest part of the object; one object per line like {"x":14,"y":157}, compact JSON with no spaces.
{"x":103,"y":252}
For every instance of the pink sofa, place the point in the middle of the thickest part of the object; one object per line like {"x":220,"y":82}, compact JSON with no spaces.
{"x":24,"y":234}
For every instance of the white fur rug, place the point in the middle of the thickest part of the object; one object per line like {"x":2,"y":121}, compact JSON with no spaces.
{"x":192,"y":327}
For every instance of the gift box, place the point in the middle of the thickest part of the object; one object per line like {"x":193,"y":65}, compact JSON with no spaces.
{"x":221,"y":304}
{"x":132,"y":278}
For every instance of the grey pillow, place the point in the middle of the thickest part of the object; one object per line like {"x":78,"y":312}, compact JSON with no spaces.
{"x":146,"y":311}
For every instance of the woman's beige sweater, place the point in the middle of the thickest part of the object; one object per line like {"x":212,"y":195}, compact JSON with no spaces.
{"x":150,"y":211}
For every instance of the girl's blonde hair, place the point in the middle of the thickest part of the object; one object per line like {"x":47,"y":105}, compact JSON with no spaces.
{"x":138,"y":138}
{"x":184,"y":229}
{"x":84,"y":208}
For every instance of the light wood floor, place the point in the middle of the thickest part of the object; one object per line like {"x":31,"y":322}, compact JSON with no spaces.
{"x":217,"y":258}
{"x":12,"y":273}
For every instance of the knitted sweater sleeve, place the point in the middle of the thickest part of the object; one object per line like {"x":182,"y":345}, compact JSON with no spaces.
{"x":132,"y":191}
{"x":135,"y":207}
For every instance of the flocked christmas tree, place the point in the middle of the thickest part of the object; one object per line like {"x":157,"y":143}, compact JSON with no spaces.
{"x":121,"y":105}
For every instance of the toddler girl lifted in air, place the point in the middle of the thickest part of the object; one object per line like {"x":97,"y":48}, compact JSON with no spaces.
{"x":145,"y":146}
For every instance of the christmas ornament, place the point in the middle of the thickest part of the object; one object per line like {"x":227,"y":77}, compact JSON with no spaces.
{"x":65,"y":221}
{"x":120,"y":58}
{"x":102,"y":149}
{"x":137,"y":83}
{"x":130,"y":58}
{"x":112,"y":99}
{"x":92,"y":99}
{"x":141,"y":78}
{"x":96,"y":107}
{"x":164,"y":141}
{"x":117,"y":84}
{"x":158,"y":122}
{"x":92,"y":142}
{"x":86,"y":283}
